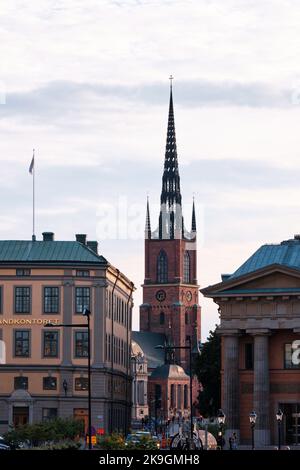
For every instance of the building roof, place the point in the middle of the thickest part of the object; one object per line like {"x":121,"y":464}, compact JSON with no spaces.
{"x":169,"y":371}
{"x":147,"y":342}
{"x":287,"y":253}
{"x":28,"y":251}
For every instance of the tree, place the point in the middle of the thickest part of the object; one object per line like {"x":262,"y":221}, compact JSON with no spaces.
{"x":207,"y":367}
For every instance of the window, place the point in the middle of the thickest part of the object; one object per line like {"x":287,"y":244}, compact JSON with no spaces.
{"x":0,"y":299}
{"x":81,"y":344}
{"x":82,"y":298}
{"x":22,"y":300}
{"x":23,"y":272}
{"x":50,"y":343}
{"x":48,"y":414}
{"x":288,"y":353}
{"x":186,"y":317}
{"x":162,"y":267}
{"x":161,"y":318}
{"x":81,"y":384}
{"x":49,"y":383}
{"x":185,"y":397}
{"x":157,"y":395}
{"x":173,"y":398}
{"x":22,"y":343}
{"x":186,"y":268}
{"x":82,"y":273}
{"x":249,"y":356}
{"x":51,"y":300}
{"x":21,"y":383}
{"x":179,"y":398}
{"x":141,"y":392}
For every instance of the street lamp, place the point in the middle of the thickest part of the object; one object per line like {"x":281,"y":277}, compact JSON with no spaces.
{"x":279,"y":416}
{"x":252,"y":418}
{"x":221,"y":417}
{"x":86,"y":313}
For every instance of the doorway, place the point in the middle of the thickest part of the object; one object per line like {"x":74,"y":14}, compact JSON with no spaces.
{"x":20,"y":415}
{"x":81,"y":414}
{"x":292,"y":422}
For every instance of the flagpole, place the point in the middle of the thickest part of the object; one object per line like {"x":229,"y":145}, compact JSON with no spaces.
{"x":33,"y":198}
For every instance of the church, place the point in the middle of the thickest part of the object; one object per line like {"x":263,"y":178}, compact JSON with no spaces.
{"x":170,"y":312}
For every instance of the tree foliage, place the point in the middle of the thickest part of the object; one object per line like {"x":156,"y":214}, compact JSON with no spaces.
{"x":53,"y":431}
{"x":207,"y":367}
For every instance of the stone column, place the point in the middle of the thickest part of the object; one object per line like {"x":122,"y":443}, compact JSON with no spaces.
{"x":231,"y":383}
{"x":67,"y":318}
{"x":98,"y":324}
{"x":261,"y":392}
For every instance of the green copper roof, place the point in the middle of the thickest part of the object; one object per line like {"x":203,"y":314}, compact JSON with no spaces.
{"x":287,"y":253}
{"x":147,"y":340}
{"x":23,"y":251}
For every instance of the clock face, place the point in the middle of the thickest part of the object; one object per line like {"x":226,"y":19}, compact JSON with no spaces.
{"x":188,"y":296}
{"x":160,"y":295}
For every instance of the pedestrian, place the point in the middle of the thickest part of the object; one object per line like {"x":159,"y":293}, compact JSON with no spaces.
{"x":234,"y":441}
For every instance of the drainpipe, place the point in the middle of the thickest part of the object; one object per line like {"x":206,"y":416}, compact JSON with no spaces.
{"x":128,"y":355}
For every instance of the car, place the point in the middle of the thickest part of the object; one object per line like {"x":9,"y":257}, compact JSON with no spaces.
{"x":4,"y":446}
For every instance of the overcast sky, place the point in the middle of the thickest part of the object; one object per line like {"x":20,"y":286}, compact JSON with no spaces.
{"x":86,"y":84}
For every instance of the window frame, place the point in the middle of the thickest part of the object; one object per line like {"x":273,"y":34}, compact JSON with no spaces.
{"x":47,"y":419}
{"x":292,"y":366}
{"x":44,"y":332}
{"x":186,"y":268}
{"x":25,"y":378}
{"x":15,"y":331}
{"x":162,"y":274}
{"x":77,"y":312}
{"x":76,"y":332}
{"x":51,"y":297}
{"x":81,"y":379}
{"x":247,"y":344}
{"x":15,"y":300}
{"x":48,"y":377}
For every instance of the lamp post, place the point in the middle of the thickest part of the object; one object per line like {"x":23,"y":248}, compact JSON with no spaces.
{"x":221,"y":417}
{"x":252,"y":418}
{"x":279,"y":416}
{"x":86,"y":313}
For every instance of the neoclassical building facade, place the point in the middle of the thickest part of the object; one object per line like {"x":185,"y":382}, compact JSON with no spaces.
{"x":259,"y":307}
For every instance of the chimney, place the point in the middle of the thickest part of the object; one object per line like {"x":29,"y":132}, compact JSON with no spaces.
{"x":48,"y":236}
{"x":93,"y":245}
{"x":81,"y":238}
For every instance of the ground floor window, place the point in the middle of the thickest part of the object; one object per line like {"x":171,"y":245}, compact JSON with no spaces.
{"x":48,"y":414}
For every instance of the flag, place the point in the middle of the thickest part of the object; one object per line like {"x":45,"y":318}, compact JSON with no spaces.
{"x":31,"y":166}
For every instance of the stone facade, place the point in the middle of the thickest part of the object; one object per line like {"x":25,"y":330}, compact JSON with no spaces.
{"x":260,"y":320}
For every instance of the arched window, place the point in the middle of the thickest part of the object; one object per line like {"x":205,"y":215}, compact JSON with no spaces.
{"x":162,"y":267}
{"x":161,"y":318}
{"x":186,"y":268}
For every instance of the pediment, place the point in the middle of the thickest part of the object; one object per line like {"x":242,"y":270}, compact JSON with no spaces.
{"x":273,"y":278}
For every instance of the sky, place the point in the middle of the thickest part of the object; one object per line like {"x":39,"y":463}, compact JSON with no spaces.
{"x":86,"y":85}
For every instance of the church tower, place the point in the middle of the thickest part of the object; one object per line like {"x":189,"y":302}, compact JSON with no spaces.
{"x":170,"y":290}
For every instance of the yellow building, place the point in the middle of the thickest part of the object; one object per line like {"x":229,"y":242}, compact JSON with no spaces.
{"x":44,"y":373}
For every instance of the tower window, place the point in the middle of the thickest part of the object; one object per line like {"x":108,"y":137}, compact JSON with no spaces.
{"x":161,"y":318}
{"x":186,"y":268}
{"x":162,"y":267}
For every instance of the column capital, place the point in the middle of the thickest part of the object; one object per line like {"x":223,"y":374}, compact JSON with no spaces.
{"x":259,"y":332}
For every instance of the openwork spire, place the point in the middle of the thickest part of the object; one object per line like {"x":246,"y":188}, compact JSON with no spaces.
{"x":171,"y":181}
{"x":170,"y":214}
